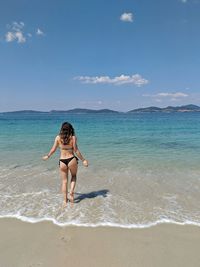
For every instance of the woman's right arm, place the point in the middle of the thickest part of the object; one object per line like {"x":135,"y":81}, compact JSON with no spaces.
{"x":53,"y":149}
{"x":78,"y":153}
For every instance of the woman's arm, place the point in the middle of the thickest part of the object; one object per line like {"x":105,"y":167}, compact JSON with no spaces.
{"x":53,"y":149}
{"x":78,"y":153}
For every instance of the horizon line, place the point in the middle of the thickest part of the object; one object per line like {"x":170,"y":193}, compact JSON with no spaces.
{"x":59,"y":110}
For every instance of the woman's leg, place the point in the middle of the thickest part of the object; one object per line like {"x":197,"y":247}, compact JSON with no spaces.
{"x":64,"y":176}
{"x":73,"y":167}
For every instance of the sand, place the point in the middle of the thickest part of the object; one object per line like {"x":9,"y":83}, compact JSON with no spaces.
{"x":44,"y":244}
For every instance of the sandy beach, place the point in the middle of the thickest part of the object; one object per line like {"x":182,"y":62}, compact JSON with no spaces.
{"x":45,"y":244}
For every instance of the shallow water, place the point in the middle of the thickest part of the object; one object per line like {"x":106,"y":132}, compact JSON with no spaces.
{"x":144,"y":169}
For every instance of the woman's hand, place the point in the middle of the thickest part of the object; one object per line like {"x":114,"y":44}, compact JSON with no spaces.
{"x":45,"y":157}
{"x":85,"y":163}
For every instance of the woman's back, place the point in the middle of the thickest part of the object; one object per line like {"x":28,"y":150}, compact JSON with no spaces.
{"x":67,"y":148}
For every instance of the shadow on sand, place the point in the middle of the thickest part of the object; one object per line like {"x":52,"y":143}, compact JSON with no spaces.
{"x":79,"y":197}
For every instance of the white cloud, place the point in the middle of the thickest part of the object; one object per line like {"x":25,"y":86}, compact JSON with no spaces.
{"x":20,"y":37}
{"x":127,"y":17}
{"x":174,"y":99}
{"x":135,"y":79}
{"x":10,"y":37}
{"x":172,"y":96}
{"x":15,"y":33}
{"x":190,"y":1}
{"x":17,"y":26}
{"x":39,"y":32}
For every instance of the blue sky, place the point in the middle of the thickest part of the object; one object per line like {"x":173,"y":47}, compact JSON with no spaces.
{"x":99,"y":54}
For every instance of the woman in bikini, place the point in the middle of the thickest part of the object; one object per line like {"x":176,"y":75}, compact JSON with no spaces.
{"x":67,"y":142}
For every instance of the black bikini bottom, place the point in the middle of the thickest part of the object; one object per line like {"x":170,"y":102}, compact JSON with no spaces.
{"x":66,"y":161}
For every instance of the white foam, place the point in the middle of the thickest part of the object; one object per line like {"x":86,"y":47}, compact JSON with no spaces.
{"x":101,"y":224}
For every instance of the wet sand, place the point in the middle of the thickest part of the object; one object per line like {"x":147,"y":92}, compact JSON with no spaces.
{"x":44,"y":244}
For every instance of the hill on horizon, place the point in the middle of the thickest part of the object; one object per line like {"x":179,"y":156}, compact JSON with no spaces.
{"x":183,"y":108}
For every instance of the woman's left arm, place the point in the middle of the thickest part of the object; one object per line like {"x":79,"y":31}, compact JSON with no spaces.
{"x":53,"y":149}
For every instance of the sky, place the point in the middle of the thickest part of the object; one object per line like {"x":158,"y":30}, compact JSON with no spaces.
{"x":115,"y":54}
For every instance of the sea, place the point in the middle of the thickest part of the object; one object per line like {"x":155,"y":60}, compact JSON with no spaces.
{"x":144,"y":169}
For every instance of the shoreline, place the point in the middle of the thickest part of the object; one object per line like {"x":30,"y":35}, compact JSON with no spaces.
{"x":32,"y":220}
{"x":46,"y":244}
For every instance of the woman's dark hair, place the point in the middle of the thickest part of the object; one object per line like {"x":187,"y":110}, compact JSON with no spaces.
{"x":66,"y":132}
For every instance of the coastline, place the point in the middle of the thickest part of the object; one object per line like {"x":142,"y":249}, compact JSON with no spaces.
{"x":46,"y":244}
{"x":95,"y":225}
{"x":150,"y":109}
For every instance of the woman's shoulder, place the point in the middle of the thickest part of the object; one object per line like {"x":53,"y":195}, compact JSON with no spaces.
{"x":74,"y":138}
{"x":57,"y":138}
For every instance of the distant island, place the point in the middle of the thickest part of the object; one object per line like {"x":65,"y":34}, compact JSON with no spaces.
{"x":84,"y":110}
{"x":169,"y":109}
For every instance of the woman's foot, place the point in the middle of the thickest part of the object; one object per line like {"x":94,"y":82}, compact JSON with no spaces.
{"x":71,"y":198}
{"x":64,"y":204}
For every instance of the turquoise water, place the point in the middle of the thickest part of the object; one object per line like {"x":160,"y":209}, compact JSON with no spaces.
{"x":144,"y":169}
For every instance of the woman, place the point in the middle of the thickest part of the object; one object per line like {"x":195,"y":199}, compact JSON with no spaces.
{"x":67,"y":142}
